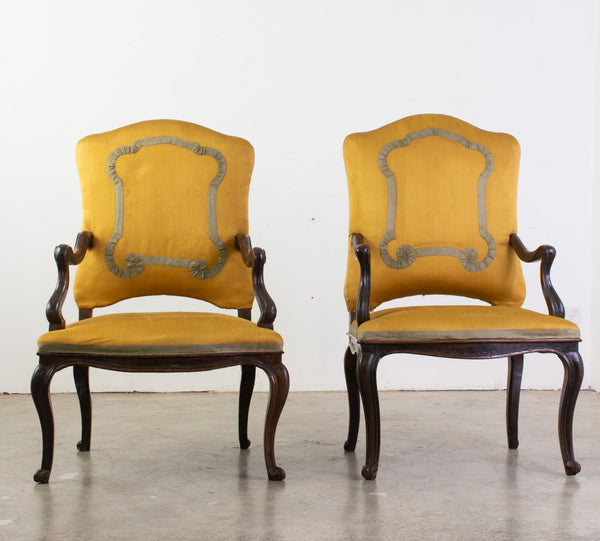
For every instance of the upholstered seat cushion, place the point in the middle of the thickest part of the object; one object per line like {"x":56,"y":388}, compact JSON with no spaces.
{"x":169,"y":333}
{"x":431,"y":323}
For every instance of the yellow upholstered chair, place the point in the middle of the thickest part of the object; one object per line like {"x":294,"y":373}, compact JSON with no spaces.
{"x":433,"y":211}
{"x":165,"y":212}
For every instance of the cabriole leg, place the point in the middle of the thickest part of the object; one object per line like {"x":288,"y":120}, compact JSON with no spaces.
{"x":573,"y":366}
{"x":367,"y":383}
{"x":40,"y":392}
{"x":246,"y":388}
{"x":353,"y":400}
{"x":82,"y":384}
{"x":279,"y":385}
{"x":513,"y":393}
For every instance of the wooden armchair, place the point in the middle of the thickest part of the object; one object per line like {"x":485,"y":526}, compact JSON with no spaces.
{"x":433,"y":211}
{"x":165,"y":212}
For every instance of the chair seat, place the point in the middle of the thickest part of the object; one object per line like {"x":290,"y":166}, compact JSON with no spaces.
{"x":447,"y":323}
{"x":168,"y":333}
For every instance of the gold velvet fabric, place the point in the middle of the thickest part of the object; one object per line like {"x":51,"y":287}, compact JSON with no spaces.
{"x":493,"y":323}
{"x":453,"y":184}
{"x":165,"y":213}
{"x":167,"y":333}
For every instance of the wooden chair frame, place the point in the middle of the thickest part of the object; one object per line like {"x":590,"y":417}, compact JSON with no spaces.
{"x":49,"y":364}
{"x":361,"y":360}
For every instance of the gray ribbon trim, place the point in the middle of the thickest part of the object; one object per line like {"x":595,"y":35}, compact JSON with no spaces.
{"x":188,"y":349}
{"x":406,"y":254}
{"x":474,"y":334}
{"x":135,"y":263}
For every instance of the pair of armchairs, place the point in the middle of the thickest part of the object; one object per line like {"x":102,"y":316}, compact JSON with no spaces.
{"x":432,"y":210}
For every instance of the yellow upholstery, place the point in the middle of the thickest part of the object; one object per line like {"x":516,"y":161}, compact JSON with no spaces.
{"x":165,"y":213}
{"x":430,"y":323}
{"x":168,"y":333}
{"x":438,"y":188}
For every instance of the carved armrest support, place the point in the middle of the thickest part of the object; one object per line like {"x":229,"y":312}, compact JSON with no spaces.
{"x":256,"y":258}
{"x":546,"y":254}
{"x":64,"y":256}
{"x":362,"y":253}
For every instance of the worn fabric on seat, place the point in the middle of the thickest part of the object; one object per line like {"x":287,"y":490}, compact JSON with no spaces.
{"x":168,"y":333}
{"x":431,"y":323}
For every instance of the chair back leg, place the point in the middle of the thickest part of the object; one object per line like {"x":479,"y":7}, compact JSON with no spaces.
{"x":81,"y":375}
{"x":513,"y":393}
{"x":246,"y":388}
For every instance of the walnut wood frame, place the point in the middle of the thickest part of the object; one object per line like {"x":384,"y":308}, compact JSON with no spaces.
{"x":49,"y":364}
{"x":361,"y":360}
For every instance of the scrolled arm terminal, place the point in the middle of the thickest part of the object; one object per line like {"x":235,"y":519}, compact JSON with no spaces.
{"x":256,"y":258}
{"x":546,"y":254}
{"x":64,"y":256}
{"x":362,"y":253}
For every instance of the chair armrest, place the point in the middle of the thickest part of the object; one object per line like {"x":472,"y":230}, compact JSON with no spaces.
{"x":256,"y":258}
{"x":546,"y":254}
{"x":362,"y":253}
{"x":64,"y":256}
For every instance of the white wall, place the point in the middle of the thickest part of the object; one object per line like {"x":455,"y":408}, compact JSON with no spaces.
{"x":595,"y":337}
{"x":294,"y":78}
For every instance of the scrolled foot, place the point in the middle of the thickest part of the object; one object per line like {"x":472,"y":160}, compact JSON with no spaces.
{"x":369,"y":472}
{"x":244,"y":444}
{"x":276,"y":474}
{"x":349,"y":447}
{"x":42,"y":476}
{"x":82,"y":446}
{"x":572,"y":467}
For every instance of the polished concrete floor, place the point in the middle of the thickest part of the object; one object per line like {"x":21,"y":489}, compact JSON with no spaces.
{"x":166,"y":466}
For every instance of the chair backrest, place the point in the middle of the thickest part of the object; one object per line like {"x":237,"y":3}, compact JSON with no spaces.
{"x":164,"y":200}
{"x":435,"y":198}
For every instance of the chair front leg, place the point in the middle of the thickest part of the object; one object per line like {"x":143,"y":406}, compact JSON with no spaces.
{"x":353,"y":400}
{"x":368,"y":360}
{"x":279,"y":383}
{"x":573,"y":366}
{"x":246,"y":388}
{"x":40,"y":392}
{"x":513,"y":393}
{"x":82,"y":384}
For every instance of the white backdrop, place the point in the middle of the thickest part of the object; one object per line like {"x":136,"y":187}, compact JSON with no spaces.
{"x":294,"y":78}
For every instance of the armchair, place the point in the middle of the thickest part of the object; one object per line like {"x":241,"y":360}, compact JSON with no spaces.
{"x":433,"y":211}
{"x":165,"y":212}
